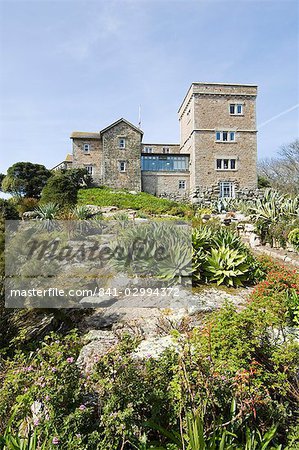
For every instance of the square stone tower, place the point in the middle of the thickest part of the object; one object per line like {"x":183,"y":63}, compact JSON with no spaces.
{"x":218,"y":130}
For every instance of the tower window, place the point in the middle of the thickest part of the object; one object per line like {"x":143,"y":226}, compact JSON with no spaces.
{"x":236,"y":109}
{"x":225,"y":164}
{"x":225,"y":136}
{"x":86,"y":148}
{"x":182,"y":184}
{"x":166,"y":150}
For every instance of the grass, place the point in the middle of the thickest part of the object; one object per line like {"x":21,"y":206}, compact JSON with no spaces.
{"x":142,"y":201}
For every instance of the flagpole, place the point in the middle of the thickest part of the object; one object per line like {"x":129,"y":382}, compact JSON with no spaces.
{"x":139,"y":117}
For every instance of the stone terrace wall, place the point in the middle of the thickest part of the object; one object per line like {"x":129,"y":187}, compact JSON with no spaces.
{"x":212,"y":193}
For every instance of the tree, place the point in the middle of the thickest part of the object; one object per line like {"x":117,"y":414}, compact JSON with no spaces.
{"x":62,"y":188}
{"x":282,"y":172}
{"x":25,"y":179}
{"x":2,"y":176}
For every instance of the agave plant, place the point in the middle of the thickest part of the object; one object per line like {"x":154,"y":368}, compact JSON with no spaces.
{"x":226,"y":266}
{"x":48,"y":211}
{"x":81,"y":213}
{"x":202,"y":238}
{"x":226,"y":237}
{"x":153,"y":249}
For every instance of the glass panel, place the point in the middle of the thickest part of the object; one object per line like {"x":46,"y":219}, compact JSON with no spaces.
{"x":164,"y":163}
{"x":225,"y":135}
{"x":218,"y":136}
{"x":232,"y":109}
{"x":232,"y":136}
{"x":239,"y":109}
{"x":233,"y":164}
{"x":219,"y":163}
{"x":225,"y":164}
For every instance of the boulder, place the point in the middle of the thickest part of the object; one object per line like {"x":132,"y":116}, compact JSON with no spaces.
{"x":153,"y":347}
{"x":30,"y":215}
{"x":99,"y":342}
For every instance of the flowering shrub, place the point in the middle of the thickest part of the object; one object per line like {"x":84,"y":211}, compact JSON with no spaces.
{"x":279,"y":295}
{"x":43,"y":391}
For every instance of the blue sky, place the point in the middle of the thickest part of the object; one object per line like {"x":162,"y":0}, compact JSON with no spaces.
{"x":79,"y":65}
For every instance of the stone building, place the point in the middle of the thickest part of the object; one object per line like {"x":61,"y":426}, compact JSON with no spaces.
{"x":216,"y":156}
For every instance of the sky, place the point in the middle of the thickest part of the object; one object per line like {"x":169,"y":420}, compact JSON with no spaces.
{"x":80,"y":65}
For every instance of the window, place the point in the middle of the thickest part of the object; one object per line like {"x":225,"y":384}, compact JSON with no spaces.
{"x":122,"y":166}
{"x":169,"y":163}
{"x":166,"y":150}
{"x":227,"y":189}
{"x":89,"y":170}
{"x":225,"y":136}
{"x":121,"y":143}
{"x":236,"y":109}
{"x":147,"y":150}
{"x":86,"y":148}
{"x":225,"y":164}
{"x":182,"y":184}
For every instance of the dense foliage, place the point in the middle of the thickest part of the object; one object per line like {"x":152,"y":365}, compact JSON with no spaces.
{"x":275,"y":215}
{"x":25,"y":179}
{"x":63,"y":186}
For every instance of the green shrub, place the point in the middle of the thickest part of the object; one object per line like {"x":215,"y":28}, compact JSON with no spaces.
{"x":293,"y":238}
{"x":63,"y":186}
{"x":8,"y":210}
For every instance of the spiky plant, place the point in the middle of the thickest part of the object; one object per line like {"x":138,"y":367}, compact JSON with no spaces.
{"x":226,"y":266}
{"x":48,"y":211}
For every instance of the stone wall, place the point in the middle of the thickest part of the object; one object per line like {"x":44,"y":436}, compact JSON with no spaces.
{"x":166,"y":184}
{"x":211,"y":193}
